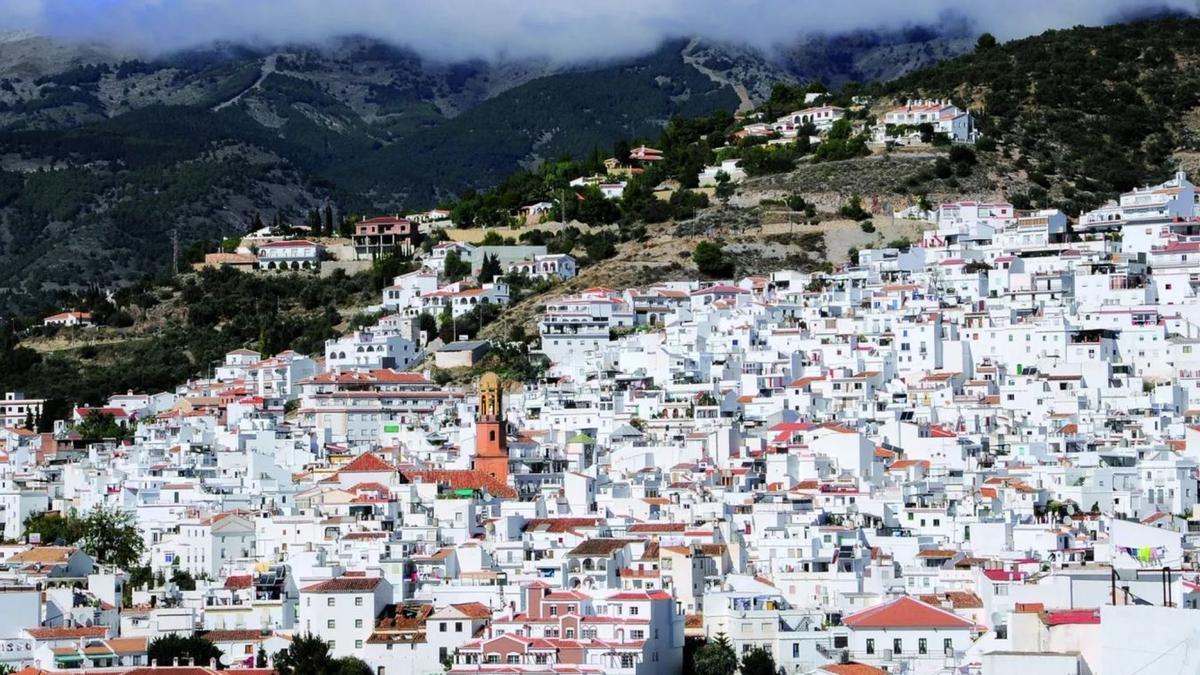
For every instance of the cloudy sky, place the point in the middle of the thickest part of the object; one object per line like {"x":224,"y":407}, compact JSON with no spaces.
{"x":560,"y":29}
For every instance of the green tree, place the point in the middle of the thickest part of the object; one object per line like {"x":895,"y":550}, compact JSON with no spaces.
{"x":853,"y":208}
{"x":715,"y":658}
{"x":758,"y":661}
{"x":725,"y":187}
{"x":761,"y":160}
{"x":140,"y":577}
{"x":183,"y":579}
{"x":447,"y":325}
{"x":427,"y":323}
{"x":455,"y":268}
{"x":386,"y":268}
{"x":309,"y":655}
{"x":596,"y":209}
{"x":685,"y":203}
{"x":200,"y":651}
{"x":351,"y":665}
{"x":328,"y":220}
{"x":98,"y":425}
{"x":53,"y":527}
{"x":492,"y":238}
{"x":799,"y":203}
{"x":111,"y":537}
{"x":840,"y":143}
{"x":985,"y":42}
{"x":711,"y":261}
{"x":600,"y":247}
{"x":260,"y":659}
{"x":489,"y":269}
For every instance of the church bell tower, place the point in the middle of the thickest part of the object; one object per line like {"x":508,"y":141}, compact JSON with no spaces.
{"x":491,"y":438}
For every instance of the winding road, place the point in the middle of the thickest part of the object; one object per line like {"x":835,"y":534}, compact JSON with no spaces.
{"x":268,"y":67}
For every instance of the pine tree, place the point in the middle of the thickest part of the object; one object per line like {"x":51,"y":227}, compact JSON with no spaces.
{"x":328,"y":220}
{"x":716,"y":658}
{"x":490,"y":269}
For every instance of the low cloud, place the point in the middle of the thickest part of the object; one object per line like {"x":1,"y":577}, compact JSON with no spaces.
{"x":515,"y":29}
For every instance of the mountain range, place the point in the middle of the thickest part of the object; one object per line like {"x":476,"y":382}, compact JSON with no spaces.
{"x":105,"y":154}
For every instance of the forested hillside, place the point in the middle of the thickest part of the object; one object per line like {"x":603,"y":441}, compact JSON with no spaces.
{"x":1083,"y":113}
{"x":105,"y":154}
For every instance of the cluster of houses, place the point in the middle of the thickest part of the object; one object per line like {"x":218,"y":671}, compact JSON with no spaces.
{"x":914,"y":122}
{"x":266,"y":250}
{"x":974,"y":456}
{"x":396,"y":340}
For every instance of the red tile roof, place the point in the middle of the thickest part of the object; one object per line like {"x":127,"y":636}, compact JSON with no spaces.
{"x":1064,"y":617}
{"x":905,"y":612}
{"x":852,"y":668}
{"x":1003,"y":575}
{"x":285,"y":243}
{"x":378,"y":376}
{"x":641,"y":595}
{"x":233,"y":635}
{"x":721,"y":289}
{"x":558,"y":525}
{"x":366,"y":462}
{"x":656,"y":527}
{"x":463,"y":479}
{"x":67,"y":633}
{"x":239,"y":581}
{"x":474,"y":610}
{"x":344,"y":585}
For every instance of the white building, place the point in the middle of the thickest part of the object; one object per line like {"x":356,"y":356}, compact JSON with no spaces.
{"x":369,"y":349}
{"x":290,"y":255}
{"x":342,"y":611}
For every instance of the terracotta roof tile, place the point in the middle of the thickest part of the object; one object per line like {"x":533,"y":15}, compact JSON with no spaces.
{"x":905,"y":612}
{"x":366,"y":462}
{"x":344,"y":585}
{"x":462,"y":479}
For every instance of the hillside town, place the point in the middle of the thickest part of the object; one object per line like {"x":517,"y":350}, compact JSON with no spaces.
{"x":976,"y":454}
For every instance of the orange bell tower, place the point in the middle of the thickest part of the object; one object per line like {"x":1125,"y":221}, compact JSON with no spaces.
{"x":491,"y":439}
